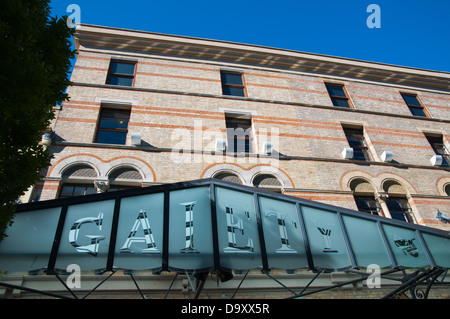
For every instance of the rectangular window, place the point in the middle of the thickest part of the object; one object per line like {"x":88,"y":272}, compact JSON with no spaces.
{"x":71,"y":190}
{"x":121,"y":73}
{"x":367,"y":204}
{"x":437,"y":143}
{"x":414,"y":105}
{"x":355,"y":138}
{"x":338,"y":95}
{"x":232,"y":83}
{"x":239,"y":134}
{"x":113,"y":126}
{"x":399,"y":209}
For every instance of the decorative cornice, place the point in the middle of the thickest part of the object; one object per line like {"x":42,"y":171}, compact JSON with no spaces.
{"x":100,"y":37}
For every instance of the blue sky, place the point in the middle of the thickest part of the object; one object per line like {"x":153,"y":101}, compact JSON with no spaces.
{"x":413,"y":33}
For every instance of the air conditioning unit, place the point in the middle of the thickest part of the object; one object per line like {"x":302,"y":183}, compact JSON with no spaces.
{"x":436,"y":160}
{"x":268,"y":148}
{"x":387,"y":156}
{"x":347,"y":153}
{"x":136,"y":139}
{"x":221,"y":145}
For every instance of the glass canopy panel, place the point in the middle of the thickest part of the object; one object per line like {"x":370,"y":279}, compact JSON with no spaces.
{"x":190,"y":229}
{"x":366,"y":242}
{"x":439,"y":249}
{"x":282,"y":234}
{"x":325,"y":239}
{"x":140,"y":232}
{"x":408,"y":251}
{"x":86,"y":235}
{"x":30,"y":240}
{"x":239,"y":245}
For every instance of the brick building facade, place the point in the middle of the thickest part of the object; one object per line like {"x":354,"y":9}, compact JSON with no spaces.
{"x":149,"y":108}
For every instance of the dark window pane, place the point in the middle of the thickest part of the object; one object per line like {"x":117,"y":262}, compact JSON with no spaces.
{"x":399,"y":216}
{"x":228,"y":90}
{"x":79,"y":191}
{"x":124,"y":81}
{"x":439,"y":148}
{"x":437,"y":144}
{"x":76,"y":190}
{"x":239,"y":145}
{"x":417,"y":111}
{"x":397,"y":205}
{"x":90,"y":190}
{"x":411,"y":100}
{"x":336,"y":90}
{"x":122,"y":68}
{"x":112,"y":118}
{"x":66,"y":191}
{"x":360,"y":154}
{"x":231,"y":78}
{"x":239,"y":141}
{"x":238,"y":123}
{"x":112,"y":123}
{"x":340,"y":102}
{"x":355,"y":138}
{"x":239,"y":134}
{"x":399,"y":209}
{"x":112,"y":137}
{"x":355,"y":142}
{"x":367,"y":204}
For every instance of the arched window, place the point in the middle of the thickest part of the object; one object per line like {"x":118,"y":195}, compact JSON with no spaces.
{"x":78,"y":180}
{"x":228,"y":177}
{"x":269,"y":182}
{"x":364,"y":195}
{"x":447,"y":189}
{"x":124,"y":178}
{"x":79,"y":171}
{"x":397,"y":201}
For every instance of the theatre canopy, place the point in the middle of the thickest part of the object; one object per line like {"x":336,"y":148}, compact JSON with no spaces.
{"x":211,"y":225}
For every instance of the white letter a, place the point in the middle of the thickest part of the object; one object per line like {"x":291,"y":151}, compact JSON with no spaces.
{"x":374,"y":20}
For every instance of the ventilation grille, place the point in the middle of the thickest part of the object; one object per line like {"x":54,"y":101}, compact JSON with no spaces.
{"x":361,"y":186}
{"x":394,"y":188}
{"x":228,"y":177}
{"x":125,"y":173}
{"x":80,"y":171}
{"x":266,"y":181}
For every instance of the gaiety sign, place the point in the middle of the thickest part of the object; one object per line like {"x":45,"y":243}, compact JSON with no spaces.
{"x":210,"y":225}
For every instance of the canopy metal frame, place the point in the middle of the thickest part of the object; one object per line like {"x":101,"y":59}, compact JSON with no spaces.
{"x":410,"y":282}
{"x":417,"y":284}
